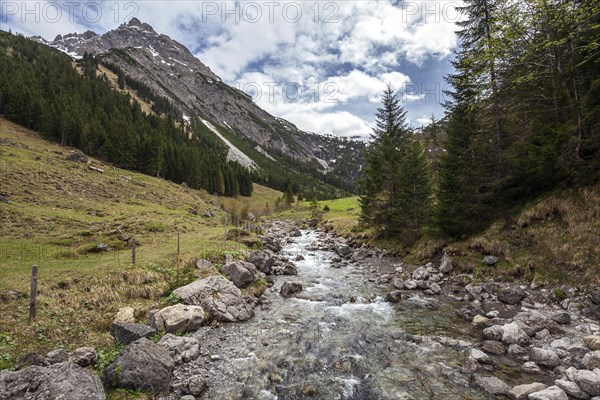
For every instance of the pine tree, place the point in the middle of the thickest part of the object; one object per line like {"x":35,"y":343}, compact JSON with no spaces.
{"x":288,"y":196}
{"x":396,"y":189}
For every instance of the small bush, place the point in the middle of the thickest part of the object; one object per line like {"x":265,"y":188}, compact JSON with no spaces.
{"x":107,"y":356}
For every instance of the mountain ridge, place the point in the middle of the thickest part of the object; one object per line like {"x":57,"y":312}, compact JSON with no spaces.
{"x":172,"y":71}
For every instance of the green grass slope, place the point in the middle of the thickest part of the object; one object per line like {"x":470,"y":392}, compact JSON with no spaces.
{"x":60,"y":211}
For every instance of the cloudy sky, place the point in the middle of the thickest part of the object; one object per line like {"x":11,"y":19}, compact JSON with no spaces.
{"x":319,"y":64}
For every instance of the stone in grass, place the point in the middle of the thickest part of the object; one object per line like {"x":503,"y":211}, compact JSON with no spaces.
{"x":126,"y":333}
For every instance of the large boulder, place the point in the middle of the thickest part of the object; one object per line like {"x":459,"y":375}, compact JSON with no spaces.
{"x":241,"y":273}
{"x":420,"y":274}
{"x":144,"y":366}
{"x":493,"y":347}
{"x":588,"y":381}
{"x":511,"y":295}
{"x":446,"y":265}
{"x":591,"y":360}
{"x":551,"y":393}
{"x":522,"y":392}
{"x":179,"y":318}
{"x":65,"y":381}
{"x":572,"y":389}
{"x":343,"y":250}
{"x":544,"y":357}
{"x":262,"y":259}
{"x":512,"y":333}
{"x":126,"y":333}
{"x":288,"y":289}
{"x":219,"y":296}
{"x":492,"y":385}
{"x":181,"y":348}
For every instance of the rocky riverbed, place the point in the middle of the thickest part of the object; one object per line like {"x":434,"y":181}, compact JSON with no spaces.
{"x":340,"y":322}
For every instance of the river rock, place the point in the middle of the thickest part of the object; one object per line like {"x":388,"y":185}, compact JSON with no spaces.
{"x":394,"y":296}
{"x":410,"y":285}
{"x":288,"y":289}
{"x":591,"y":360}
{"x":479,"y":320}
{"x":144,"y":366}
{"x":263,"y":260}
{"x":588,"y":381}
{"x":219,"y":296}
{"x":493,"y":347}
{"x":592,"y":342}
{"x":420,"y":274}
{"x":516,"y":351}
{"x":196,"y":385}
{"x":57,"y":356}
{"x":490,"y":260}
{"x":563,"y":318}
{"x":545,"y":357}
{"x":287,"y":269}
{"x":572,"y":389}
{"x":125,"y":314}
{"x":435,"y":288}
{"x":595,"y":297}
{"x":84,"y":356}
{"x":493,"y":332}
{"x":512,"y":333}
{"x":178,"y":318}
{"x":492,"y":384}
{"x":531,"y":368}
{"x":511,"y":295}
{"x":398,"y":283}
{"x":521,"y":392}
{"x":474,"y":291}
{"x":446,"y":265}
{"x":65,"y":381}
{"x":551,"y":393}
{"x":126,"y":333}
{"x":181,"y":348}
{"x":480,"y":356}
{"x":241,"y":273}
{"x":343,"y":250}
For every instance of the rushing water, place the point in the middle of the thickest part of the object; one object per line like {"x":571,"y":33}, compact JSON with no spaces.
{"x":337,"y":339}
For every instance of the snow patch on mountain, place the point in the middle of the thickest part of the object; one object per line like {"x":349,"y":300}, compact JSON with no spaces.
{"x":234,"y":154}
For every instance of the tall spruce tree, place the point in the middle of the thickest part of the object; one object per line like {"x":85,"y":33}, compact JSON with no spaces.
{"x":395,"y":190}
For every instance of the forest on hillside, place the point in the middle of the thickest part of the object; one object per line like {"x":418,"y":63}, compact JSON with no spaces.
{"x":41,"y":90}
{"x":523,"y":119}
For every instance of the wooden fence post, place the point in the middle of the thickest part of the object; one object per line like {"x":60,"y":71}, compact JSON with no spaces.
{"x":133,"y":251}
{"x":33,"y":295}
{"x":177,"y":244}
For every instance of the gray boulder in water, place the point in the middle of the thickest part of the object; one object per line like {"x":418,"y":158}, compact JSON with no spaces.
{"x":241,"y":273}
{"x":65,"y":381}
{"x":288,"y":289}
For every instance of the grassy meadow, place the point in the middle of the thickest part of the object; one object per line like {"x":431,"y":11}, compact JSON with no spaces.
{"x":58,"y":213}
